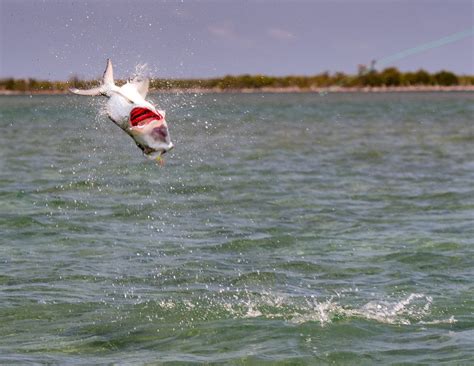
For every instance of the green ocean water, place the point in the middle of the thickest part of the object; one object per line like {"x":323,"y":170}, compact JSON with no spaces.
{"x":283,"y":229}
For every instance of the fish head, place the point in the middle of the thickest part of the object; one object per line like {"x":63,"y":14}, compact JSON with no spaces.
{"x":150,"y":131}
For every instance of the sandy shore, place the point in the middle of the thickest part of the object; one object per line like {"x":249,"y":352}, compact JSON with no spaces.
{"x":331,"y":89}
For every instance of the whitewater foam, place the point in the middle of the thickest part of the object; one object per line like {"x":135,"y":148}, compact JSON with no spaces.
{"x":415,"y":308}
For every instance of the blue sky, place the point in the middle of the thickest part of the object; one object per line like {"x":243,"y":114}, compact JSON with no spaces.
{"x":55,"y":39}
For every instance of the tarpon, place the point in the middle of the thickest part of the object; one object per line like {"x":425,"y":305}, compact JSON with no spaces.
{"x":129,"y":110}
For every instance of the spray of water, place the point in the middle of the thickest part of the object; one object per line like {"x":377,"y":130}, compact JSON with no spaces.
{"x":141,"y":71}
{"x":414,"y":308}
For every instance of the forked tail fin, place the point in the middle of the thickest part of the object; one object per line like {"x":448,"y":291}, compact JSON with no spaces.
{"x":107,"y":86}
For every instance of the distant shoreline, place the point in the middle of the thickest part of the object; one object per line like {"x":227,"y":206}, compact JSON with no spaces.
{"x":333,"y":89}
{"x":365,"y":81}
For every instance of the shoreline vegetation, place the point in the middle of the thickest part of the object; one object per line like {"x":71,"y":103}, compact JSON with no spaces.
{"x":366,"y":80}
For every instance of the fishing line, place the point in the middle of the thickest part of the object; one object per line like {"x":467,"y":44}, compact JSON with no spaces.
{"x":426,"y":46}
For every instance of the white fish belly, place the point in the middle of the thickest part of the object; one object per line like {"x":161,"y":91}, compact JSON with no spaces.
{"x":118,"y":109}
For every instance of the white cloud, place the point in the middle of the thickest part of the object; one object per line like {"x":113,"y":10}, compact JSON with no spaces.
{"x":222,"y":31}
{"x":226,"y":31}
{"x":280,"y":34}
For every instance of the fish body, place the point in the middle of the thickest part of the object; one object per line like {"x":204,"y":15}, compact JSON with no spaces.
{"x":128,"y":109}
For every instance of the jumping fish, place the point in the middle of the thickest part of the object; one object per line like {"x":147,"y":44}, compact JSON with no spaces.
{"x":129,"y":110}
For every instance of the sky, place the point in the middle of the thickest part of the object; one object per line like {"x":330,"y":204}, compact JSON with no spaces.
{"x":54,"y":40}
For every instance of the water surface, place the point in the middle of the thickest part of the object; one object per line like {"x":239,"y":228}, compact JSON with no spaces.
{"x":293,"y":228}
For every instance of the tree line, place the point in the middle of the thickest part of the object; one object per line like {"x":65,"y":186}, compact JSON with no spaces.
{"x":364,"y":78}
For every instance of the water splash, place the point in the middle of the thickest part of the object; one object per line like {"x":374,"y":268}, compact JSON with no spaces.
{"x":415,"y":308}
{"x":142,"y":71}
